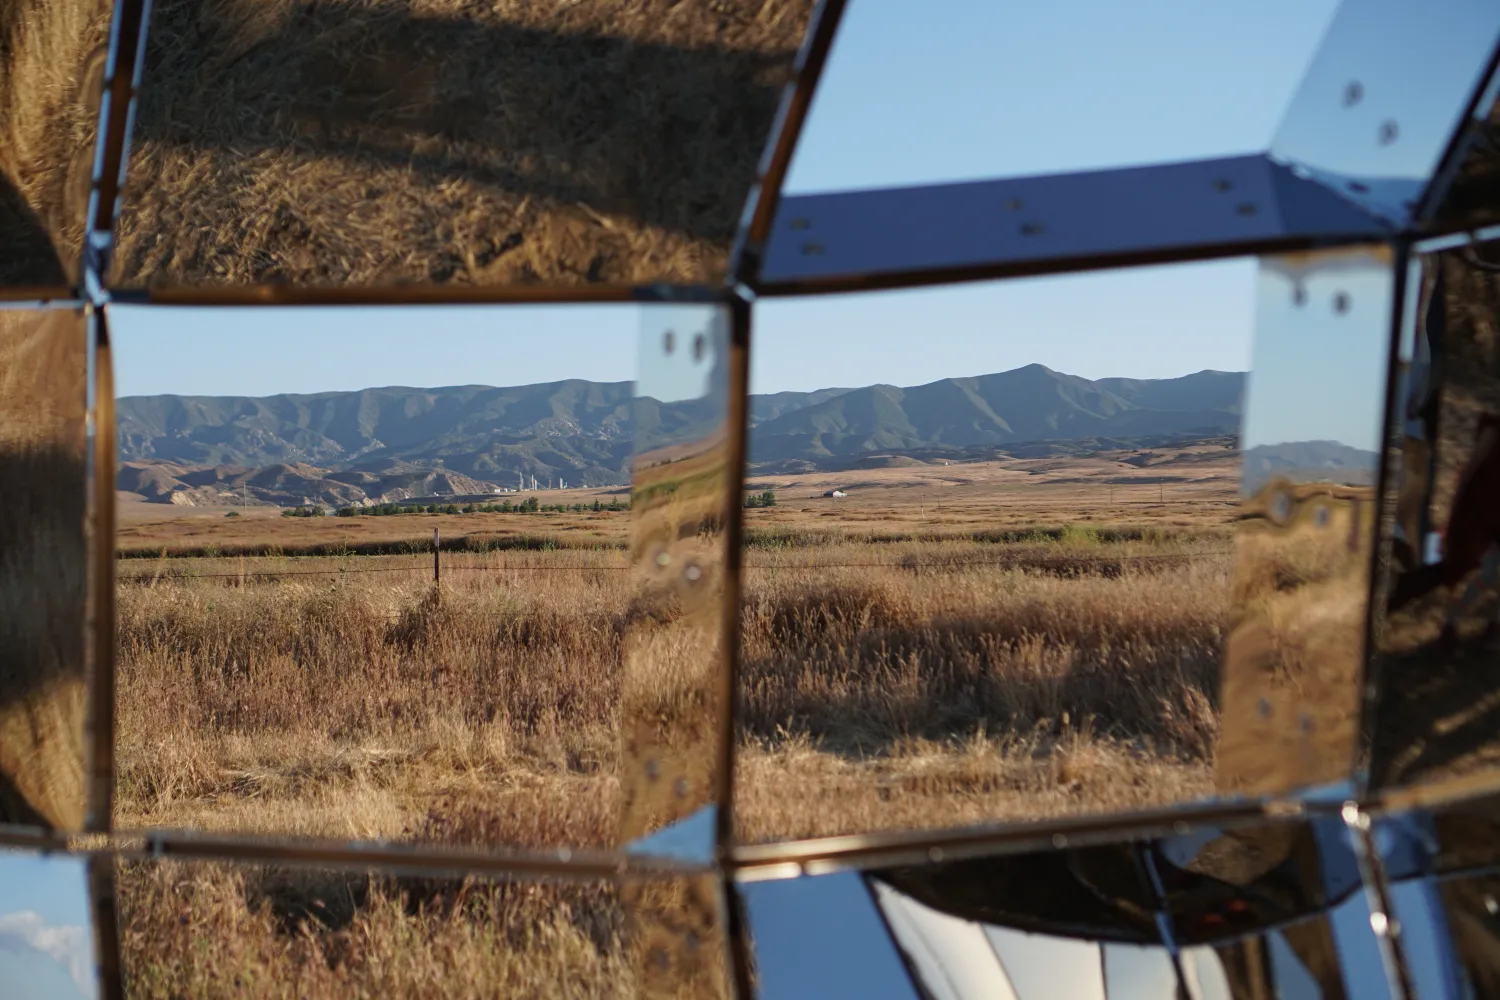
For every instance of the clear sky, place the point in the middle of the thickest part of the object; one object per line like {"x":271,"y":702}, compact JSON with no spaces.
{"x":914,"y":93}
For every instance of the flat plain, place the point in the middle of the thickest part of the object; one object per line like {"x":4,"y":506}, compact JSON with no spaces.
{"x":947,"y":644}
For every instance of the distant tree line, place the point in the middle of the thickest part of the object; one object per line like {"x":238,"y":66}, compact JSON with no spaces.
{"x":528,"y":506}
{"x":766,"y":499}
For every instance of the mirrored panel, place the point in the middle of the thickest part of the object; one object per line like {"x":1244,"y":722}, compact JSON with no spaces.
{"x":1273,"y":910}
{"x":372,"y":570}
{"x":988,"y":537}
{"x":1439,"y":661}
{"x":242,"y":929}
{"x":1073,"y":923}
{"x":43,"y":577}
{"x":675,"y":693}
{"x":52,"y":62}
{"x":1294,"y":663}
{"x":1359,"y":126}
{"x":1468,"y":200}
{"x":48,"y":945}
{"x":961,"y":91}
{"x":409,"y":141}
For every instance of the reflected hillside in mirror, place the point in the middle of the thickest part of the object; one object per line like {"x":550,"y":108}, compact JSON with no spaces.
{"x":433,"y":141}
{"x":293,"y":655}
{"x":988,"y":546}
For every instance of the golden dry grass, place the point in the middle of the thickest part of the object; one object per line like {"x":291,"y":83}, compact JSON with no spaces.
{"x":50,"y":76}
{"x":349,"y":141}
{"x":42,"y":572}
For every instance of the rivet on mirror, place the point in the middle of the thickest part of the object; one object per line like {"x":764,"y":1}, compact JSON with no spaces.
{"x":1492,"y":906}
{"x":1388,"y":132}
{"x":1341,"y":302}
{"x":692,"y":574}
{"x":1305,"y":723}
{"x":1014,"y":204}
{"x":653,"y":768}
{"x":1357,"y":187}
{"x":663,"y":559}
{"x":935,"y":854}
{"x":1223,"y":184}
{"x":700,"y":344}
{"x":1245,"y":208}
{"x":681,"y":788}
{"x":801,"y":222}
{"x":1354,"y":91}
{"x":1031,"y":228}
{"x":1299,"y":294}
{"x":1059,"y":841}
{"x":812,"y":249}
{"x":1264,"y":707}
{"x":668,"y":342}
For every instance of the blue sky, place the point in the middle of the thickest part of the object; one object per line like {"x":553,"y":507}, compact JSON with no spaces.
{"x":46,"y":945}
{"x":910,"y":96}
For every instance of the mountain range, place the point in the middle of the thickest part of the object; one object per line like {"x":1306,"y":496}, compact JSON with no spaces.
{"x":341,"y":447}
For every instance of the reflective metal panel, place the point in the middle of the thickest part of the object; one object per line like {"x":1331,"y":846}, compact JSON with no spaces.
{"x":372,"y":571}
{"x":988,"y":538}
{"x":1271,"y":910}
{"x":48,"y":946}
{"x":821,"y":937}
{"x":1435,"y":716}
{"x":1294,"y":665}
{"x":43,"y":576}
{"x":1464,"y":196}
{"x":1359,"y":125}
{"x":1056,"y":222}
{"x":195,"y":928}
{"x":674,"y":692}
{"x":52,"y":62}
{"x":348,"y":143}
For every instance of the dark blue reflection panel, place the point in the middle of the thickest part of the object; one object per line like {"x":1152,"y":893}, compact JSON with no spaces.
{"x":1202,"y":208}
{"x":1385,"y":94}
{"x":821,"y":938}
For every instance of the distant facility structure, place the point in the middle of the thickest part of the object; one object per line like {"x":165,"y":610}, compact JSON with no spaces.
{"x":835,"y":493}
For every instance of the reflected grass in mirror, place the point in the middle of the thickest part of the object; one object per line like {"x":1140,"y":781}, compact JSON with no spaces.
{"x":673,"y":699}
{"x":1294,"y":669}
{"x":43,"y":688}
{"x":190,"y":928}
{"x":437,"y":142}
{"x":284,"y":672}
{"x":52,"y":61}
{"x":988,"y":547}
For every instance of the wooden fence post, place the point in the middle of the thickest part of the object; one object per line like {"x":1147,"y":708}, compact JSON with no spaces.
{"x":437,"y":568}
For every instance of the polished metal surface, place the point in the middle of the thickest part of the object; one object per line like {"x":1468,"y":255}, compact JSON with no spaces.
{"x":1057,"y":222}
{"x":49,"y":946}
{"x":403,"y":153}
{"x":1438,"y":664}
{"x":1359,"y":128}
{"x":673,"y":695}
{"x":43,"y":572}
{"x":1294,"y":667}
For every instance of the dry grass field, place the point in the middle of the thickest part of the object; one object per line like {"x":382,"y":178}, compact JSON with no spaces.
{"x":42,"y":571}
{"x":944,"y":645}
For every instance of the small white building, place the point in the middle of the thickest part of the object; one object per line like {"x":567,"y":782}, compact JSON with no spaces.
{"x":835,"y":493}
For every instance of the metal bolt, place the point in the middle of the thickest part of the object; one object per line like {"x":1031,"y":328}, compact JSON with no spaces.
{"x":668,"y":341}
{"x":812,"y":249}
{"x":653,"y":769}
{"x":1389,"y":131}
{"x":1031,"y":228}
{"x":1354,"y":91}
{"x":1341,"y":302}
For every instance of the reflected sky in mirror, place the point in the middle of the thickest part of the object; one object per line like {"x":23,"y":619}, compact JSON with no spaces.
{"x":46,"y":935}
{"x":931,"y":93}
